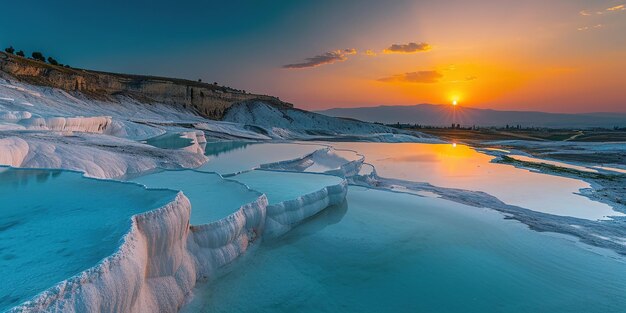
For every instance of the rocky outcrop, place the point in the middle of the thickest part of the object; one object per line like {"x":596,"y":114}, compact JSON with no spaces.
{"x":207,"y":100}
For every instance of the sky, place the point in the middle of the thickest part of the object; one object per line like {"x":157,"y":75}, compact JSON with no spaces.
{"x":554,"y":56}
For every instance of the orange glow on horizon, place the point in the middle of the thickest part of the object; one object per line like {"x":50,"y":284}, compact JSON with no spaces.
{"x":506,"y":68}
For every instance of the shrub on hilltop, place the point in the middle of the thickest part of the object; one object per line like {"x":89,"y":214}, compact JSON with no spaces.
{"x":38,"y":56}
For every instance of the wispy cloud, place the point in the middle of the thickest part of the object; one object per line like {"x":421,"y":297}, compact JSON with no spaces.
{"x":411,"y":47}
{"x":620,"y":7}
{"x":326,"y":58}
{"x":617,"y":8}
{"x":590,"y":27}
{"x":370,"y":53}
{"x":587,"y":13}
{"x":424,"y":77}
{"x":464,"y":80}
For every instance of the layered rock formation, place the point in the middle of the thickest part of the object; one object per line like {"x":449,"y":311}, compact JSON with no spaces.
{"x":207,"y":100}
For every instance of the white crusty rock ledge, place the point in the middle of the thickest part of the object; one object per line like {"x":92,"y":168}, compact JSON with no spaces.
{"x":283,"y":216}
{"x":94,"y":124}
{"x":98,"y":156}
{"x":343,"y":167}
{"x":13,"y":151}
{"x":150,"y":272}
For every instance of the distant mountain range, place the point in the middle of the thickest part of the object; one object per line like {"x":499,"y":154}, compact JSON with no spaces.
{"x":445,"y":115}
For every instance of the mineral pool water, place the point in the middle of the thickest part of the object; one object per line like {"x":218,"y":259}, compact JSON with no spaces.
{"x":55,"y":224}
{"x":392,"y":252}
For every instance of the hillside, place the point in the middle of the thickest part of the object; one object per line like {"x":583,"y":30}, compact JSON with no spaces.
{"x":445,"y":115}
{"x":291,"y":123}
{"x":207,"y":100}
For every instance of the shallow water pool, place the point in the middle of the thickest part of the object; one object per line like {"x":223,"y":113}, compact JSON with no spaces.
{"x":215,"y":148}
{"x":170,"y":141}
{"x":611,"y":169}
{"x":212,"y":197}
{"x":55,"y":224}
{"x":249,"y":156}
{"x":392,"y":252}
{"x":282,"y":186}
{"x":459,"y":166}
{"x":524,"y":158}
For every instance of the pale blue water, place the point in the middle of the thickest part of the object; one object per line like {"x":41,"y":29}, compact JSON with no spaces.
{"x":282,"y":186}
{"x":246,"y":157}
{"x":391,"y":252}
{"x":212,"y":197}
{"x":169,"y":141}
{"x":216,"y":148}
{"x":55,"y":224}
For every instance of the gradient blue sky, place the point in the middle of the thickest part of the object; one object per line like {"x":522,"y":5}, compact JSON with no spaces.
{"x":557,"y":55}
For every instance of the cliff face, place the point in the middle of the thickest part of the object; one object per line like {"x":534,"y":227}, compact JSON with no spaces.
{"x":208,"y":100}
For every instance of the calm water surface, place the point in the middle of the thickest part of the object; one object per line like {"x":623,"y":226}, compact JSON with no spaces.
{"x":461,"y":167}
{"x":212,"y":197}
{"x":282,"y":186}
{"x":55,"y":224}
{"x":391,"y":252}
{"x":169,"y":141}
{"x":248,"y":156}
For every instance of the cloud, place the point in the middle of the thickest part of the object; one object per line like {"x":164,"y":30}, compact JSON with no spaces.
{"x":587,"y":13}
{"x":370,"y":53}
{"x":620,"y":7}
{"x":464,"y":80}
{"x":590,"y":27}
{"x":326,"y":58}
{"x":424,"y":77}
{"x":617,"y":8}
{"x":411,"y":47}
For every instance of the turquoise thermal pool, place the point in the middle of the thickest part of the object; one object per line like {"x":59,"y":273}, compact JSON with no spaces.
{"x":170,"y":141}
{"x":55,"y":224}
{"x":245,"y":157}
{"x":212,"y":197}
{"x":283,"y":186}
{"x":393,"y":252}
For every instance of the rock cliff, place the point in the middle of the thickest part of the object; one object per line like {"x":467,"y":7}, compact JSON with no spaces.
{"x":207,"y":100}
